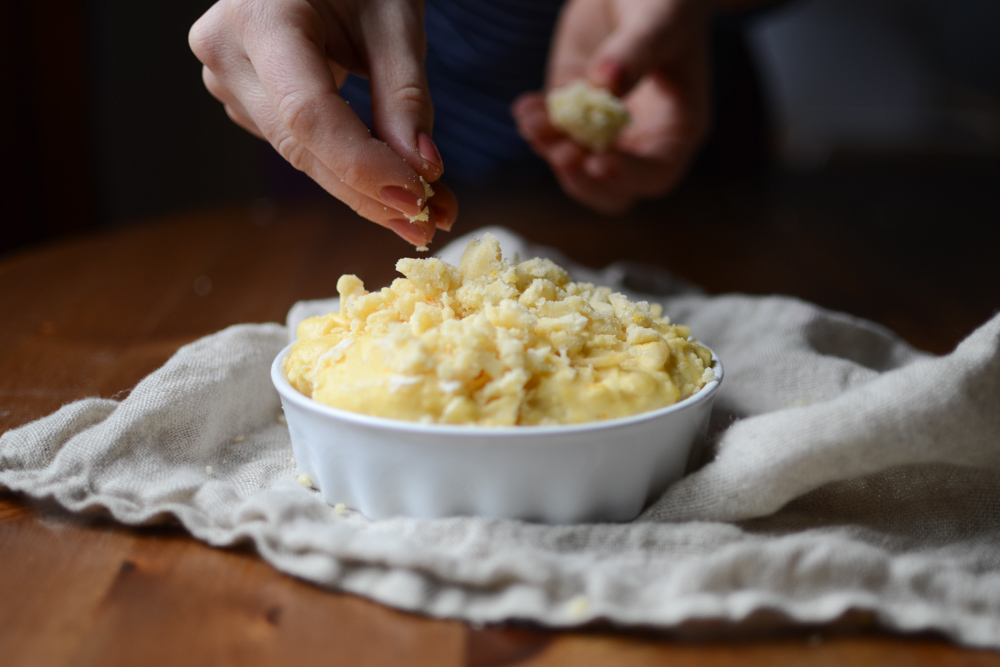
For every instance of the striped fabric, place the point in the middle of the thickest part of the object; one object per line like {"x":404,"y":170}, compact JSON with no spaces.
{"x":481,"y":54}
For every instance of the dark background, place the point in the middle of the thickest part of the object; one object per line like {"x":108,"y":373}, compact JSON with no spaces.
{"x":884,"y":113}
{"x":113,"y":124}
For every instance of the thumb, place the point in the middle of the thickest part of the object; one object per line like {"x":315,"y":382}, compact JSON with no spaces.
{"x":402,"y":112}
{"x":650,"y":34}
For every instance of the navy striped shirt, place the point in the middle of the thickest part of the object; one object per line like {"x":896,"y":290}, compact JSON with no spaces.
{"x":480,"y":56}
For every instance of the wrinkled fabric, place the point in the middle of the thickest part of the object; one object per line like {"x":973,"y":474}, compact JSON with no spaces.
{"x":849,"y":472}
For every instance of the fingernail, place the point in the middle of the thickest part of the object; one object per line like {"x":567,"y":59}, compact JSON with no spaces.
{"x":428,"y":149}
{"x":440,"y":217}
{"x":401,"y":199}
{"x":409,"y":231}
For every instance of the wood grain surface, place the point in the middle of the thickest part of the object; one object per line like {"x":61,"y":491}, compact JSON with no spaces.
{"x":92,"y":315}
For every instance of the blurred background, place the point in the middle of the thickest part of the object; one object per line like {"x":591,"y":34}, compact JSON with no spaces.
{"x":882,"y":112}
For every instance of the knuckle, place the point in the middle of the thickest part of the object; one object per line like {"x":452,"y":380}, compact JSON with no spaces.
{"x":239,"y":117}
{"x":243,"y":13}
{"x":359,"y":203}
{"x":293,"y":151}
{"x":351,"y":175}
{"x":203,"y":42}
{"x":212,"y":84}
{"x":297,"y":112}
{"x":242,"y":120}
{"x":412,"y":99}
{"x":358,"y":207}
{"x":235,"y":115}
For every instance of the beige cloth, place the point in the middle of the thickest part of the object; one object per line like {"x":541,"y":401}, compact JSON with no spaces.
{"x":852,"y":473}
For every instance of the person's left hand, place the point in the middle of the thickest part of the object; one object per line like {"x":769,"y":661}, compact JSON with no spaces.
{"x":653,"y":54}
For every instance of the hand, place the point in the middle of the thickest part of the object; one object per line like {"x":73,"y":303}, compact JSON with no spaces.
{"x":277,"y":66}
{"x":653,"y":54}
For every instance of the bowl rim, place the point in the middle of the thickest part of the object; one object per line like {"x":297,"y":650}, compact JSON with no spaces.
{"x":290,"y":393}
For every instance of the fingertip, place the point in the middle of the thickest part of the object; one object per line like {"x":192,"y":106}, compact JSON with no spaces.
{"x":421,"y":156}
{"x":442,"y":219}
{"x":609,"y":74}
{"x":429,"y":150}
{"x":443,"y":207}
{"x":401,"y":199}
{"x":417,"y":233}
{"x":427,"y":228}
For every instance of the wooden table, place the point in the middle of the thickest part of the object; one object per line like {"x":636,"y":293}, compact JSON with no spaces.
{"x":93,"y":315}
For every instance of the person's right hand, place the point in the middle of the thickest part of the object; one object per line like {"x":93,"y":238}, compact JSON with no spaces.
{"x":277,"y":65}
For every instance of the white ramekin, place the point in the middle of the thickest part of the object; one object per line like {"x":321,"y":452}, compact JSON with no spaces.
{"x":598,"y":471}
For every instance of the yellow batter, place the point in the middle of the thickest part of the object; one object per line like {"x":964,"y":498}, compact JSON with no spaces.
{"x":494,"y":342}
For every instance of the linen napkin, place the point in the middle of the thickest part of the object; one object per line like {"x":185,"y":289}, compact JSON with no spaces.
{"x":851,"y":472}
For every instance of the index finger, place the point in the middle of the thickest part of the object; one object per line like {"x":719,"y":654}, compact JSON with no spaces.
{"x":314,"y":119}
{"x":577,"y":37}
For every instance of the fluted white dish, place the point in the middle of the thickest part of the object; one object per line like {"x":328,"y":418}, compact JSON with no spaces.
{"x":597,"y":471}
